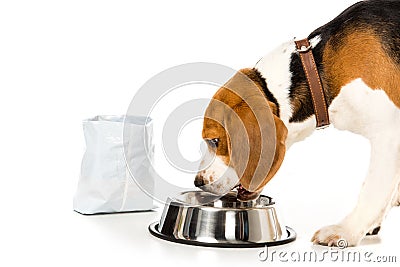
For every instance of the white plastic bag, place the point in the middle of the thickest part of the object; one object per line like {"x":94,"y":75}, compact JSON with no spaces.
{"x":105,"y":184}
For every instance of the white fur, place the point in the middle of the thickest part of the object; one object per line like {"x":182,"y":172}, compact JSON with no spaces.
{"x":298,"y":131}
{"x":314,"y":41}
{"x":217,"y":176}
{"x":275,"y":68}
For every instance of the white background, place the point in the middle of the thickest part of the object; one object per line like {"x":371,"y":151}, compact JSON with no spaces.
{"x":64,"y":61}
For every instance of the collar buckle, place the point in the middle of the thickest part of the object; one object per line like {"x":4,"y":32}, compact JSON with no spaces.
{"x":303,"y":49}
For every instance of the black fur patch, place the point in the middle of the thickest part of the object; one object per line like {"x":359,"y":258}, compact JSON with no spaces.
{"x":299,"y":93}
{"x":375,"y":231}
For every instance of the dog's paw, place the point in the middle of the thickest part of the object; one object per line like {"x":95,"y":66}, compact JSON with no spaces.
{"x":335,"y":235}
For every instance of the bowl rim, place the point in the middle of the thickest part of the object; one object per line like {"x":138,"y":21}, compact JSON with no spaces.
{"x":153,"y":229}
{"x":173,"y":201}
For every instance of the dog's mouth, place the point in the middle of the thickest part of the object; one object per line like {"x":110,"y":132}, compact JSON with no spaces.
{"x":245,"y":195}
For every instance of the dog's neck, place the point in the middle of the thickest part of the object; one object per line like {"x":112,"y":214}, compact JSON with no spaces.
{"x":275,"y":68}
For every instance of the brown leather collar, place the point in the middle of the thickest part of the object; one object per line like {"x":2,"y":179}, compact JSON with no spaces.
{"x":314,"y":83}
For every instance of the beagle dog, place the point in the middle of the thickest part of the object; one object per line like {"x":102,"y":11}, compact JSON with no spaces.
{"x":357,"y":55}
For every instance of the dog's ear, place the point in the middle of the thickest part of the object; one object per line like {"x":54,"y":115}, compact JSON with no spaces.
{"x":256,"y":136}
{"x":280,"y":150}
{"x":255,"y":161}
{"x":257,"y":165}
{"x":239,"y":132}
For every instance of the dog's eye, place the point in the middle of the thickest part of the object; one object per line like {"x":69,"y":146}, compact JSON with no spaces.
{"x":213,"y":142}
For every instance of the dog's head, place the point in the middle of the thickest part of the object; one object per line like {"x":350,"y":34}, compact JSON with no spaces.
{"x":244,"y":136}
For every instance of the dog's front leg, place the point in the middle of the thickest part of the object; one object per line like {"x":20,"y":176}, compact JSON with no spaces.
{"x":376,"y":197}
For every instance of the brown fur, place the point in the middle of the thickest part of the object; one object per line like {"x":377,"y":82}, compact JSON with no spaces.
{"x":358,"y":55}
{"x":240,"y":129}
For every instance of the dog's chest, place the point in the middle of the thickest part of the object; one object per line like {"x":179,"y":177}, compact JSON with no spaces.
{"x":364,"y":111}
{"x":357,"y":109}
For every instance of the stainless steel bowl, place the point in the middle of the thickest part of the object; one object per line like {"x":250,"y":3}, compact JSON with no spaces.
{"x":226,"y":222}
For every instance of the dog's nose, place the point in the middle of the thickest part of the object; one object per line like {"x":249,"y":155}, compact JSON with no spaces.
{"x":198,"y":181}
